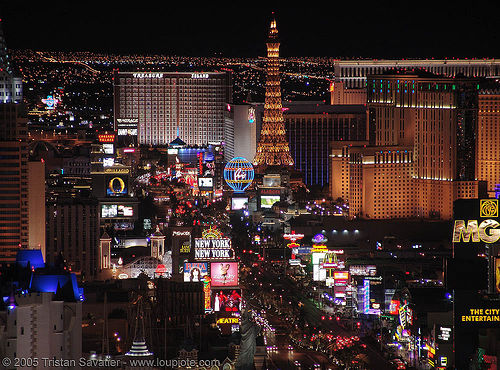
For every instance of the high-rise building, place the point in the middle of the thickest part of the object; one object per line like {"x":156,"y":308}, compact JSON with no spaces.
{"x":13,"y":162}
{"x":434,"y":118}
{"x":73,"y":230}
{"x":273,"y":148}
{"x":11,"y":86}
{"x":488,"y":140}
{"x":310,"y":130}
{"x":243,"y":132}
{"x":36,"y":205}
{"x":158,"y":107}
{"x":354,"y":73}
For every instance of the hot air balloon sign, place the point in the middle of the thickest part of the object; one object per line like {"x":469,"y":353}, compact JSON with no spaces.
{"x":238,"y":174}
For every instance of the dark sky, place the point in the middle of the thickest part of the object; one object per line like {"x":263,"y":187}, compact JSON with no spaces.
{"x":238,"y":28}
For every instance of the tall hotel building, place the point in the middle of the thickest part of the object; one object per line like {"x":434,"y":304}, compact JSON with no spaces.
{"x":158,"y":107}
{"x":13,"y":162}
{"x":310,"y":129}
{"x":488,"y":140}
{"x":421,"y":153}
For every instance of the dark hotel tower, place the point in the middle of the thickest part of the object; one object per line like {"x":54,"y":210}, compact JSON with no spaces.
{"x":13,"y":162}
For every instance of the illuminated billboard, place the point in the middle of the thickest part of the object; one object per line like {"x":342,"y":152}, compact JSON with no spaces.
{"x":208,"y":249}
{"x":267,"y":201}
{"x":108,"y":148}
{"x":116,"y":210}
{"x":238,"y":203}
{"x":363,"y":270}
{"x":224,"y":274}
{"x":206,"y":183}
{"x":116,"y":186}
{"x":106,"y":138}
{"x":195,"y":271}
{"x":476,"y":231}
{"x":226,"y":300}
{"x":127,"y":132}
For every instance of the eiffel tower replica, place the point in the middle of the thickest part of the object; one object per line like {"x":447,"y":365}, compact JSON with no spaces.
{"x":273,"y":149}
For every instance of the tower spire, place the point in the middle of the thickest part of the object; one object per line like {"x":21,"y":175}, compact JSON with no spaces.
{"x":273,"y":148}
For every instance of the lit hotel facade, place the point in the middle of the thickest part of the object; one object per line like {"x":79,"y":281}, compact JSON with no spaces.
{"x":157,"y":107}
{"x":421,"y":152}
{"x":354,"y":73}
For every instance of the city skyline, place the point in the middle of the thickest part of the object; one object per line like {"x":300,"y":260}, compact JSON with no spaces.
{"x":343,"y":31}
{"x":161,"y":210}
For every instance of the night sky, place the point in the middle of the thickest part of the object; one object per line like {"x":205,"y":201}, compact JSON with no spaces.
{"x":350,"y":29}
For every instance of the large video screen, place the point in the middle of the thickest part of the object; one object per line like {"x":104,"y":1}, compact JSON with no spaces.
{"x":238,"y":203}
{"x":116,"y":186}
{"x":205,"y":183}
{"x":195,"y":271}
{"x":224,"y":274}
{"x":108,"y":148}
{"x":226,"y":300}
{"x":116,"y":210}
{"x":267,"y":201}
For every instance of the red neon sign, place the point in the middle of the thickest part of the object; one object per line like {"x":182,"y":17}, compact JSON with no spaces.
{"x":106,"y":138}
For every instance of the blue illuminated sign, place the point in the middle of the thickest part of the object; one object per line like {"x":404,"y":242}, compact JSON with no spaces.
{"x":238,"y":174}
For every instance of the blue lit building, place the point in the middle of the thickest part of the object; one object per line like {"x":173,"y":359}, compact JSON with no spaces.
{"x":312,"y":127}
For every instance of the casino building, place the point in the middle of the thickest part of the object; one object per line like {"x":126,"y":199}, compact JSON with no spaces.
{"x":154,"y":108}
{"x":421,"y":147}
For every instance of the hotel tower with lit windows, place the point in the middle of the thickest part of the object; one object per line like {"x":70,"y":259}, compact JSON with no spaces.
{"x":158,"y":107}
{"x":421,"y":152}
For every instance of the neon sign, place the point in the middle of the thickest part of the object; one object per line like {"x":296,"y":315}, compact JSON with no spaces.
{"x":50,"y":102}
{"x":199,"y":75}
{"x":238,"y":174}
{"x":148,"y":75}
{"x":319,"y":239}
{"x":106,"y":138}
{"x":206,"y":291}
{"x":251,"y":115}
{"x":293,"y":237}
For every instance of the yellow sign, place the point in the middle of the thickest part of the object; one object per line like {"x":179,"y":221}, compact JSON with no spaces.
{"x":486,"y":231}
{"x":480,"y":314}
{"x":228,"y":320}
{"x":488,"y":208}
{"x":211,"y":233}
{"x":113,"y":188}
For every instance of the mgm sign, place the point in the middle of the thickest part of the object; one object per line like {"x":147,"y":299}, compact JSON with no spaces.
{"x":484,"y":229}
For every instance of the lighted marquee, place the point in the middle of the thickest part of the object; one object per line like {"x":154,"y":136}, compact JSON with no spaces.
{"x":213,"y":246}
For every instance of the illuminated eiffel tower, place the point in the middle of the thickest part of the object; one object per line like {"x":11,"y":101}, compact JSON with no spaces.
{"x":273,"y":148}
